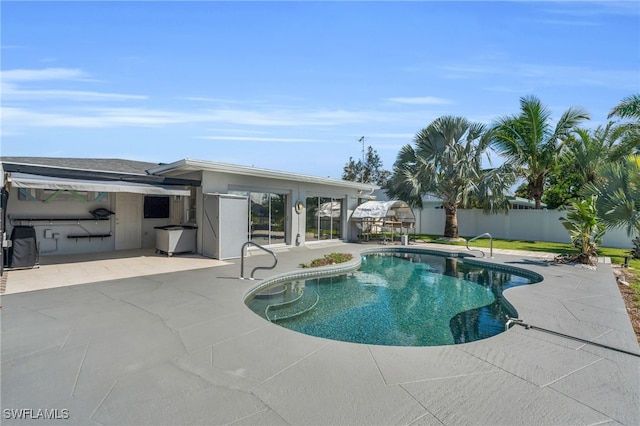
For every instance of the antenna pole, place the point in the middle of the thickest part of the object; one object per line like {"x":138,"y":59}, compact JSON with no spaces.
{"x":362,"y":140}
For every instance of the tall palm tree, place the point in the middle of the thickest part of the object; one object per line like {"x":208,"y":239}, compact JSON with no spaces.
{"x":618,"y":192}
{"x":629,"y":108}
{"x":446,"y":162}
{"x":531,"y":144}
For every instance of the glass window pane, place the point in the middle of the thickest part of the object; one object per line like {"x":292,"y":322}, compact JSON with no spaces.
{"x":277,"y":232}
{"x":324,"y":214}
{"x":259,"y":218}
{"x":336,"y":219}
{"x":311,"y":232}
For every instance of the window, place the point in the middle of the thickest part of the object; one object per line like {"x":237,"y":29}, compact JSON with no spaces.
{"x":156,"y":207}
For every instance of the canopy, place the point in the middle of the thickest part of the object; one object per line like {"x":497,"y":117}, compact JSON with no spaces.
{"x":392,"y":211}
{"x":23,"y":180}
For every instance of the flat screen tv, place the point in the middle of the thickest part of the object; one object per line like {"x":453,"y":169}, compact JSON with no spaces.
{"x":156,"y":207}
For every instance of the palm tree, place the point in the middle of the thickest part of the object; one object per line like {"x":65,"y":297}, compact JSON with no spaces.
{"x":446,"y":162}
{"x":629,"y":108}
{"x":590,"y":150}
{"x":531,"y":144}
{"x":618,"y":192}
{"x":585,"y":228}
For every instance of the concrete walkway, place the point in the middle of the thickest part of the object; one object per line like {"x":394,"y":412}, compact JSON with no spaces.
{"x":182,"y":348}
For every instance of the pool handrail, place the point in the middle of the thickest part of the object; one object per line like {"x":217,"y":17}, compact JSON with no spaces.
{"x":242,"y":252}
{"x":486,"y":234}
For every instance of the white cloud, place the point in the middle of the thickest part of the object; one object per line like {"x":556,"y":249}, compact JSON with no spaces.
{"x":43,"y":74}
{"x":111,"y":117}
{"x":19,"y":117}
{"x":424,"y":100}
{"x":10,"y":92}
{"x":549,"y":75}
{"x":259,"y":139}
{"x":12,"y":81}
{"x":392,"y":135}
{"x":209,"y":100}
{"x":290,"y":117}
{"x":593,"y":8}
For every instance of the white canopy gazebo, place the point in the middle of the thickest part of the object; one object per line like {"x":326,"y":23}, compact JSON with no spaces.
{"x":378,"y":216}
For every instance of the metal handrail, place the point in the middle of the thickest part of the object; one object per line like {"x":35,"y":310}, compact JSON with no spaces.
{"x":275,"y":260}
{"x":486,"y":234}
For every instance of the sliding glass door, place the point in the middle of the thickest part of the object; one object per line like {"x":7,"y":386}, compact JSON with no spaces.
{"x":324,"y":218}
{"x":267,"y":217}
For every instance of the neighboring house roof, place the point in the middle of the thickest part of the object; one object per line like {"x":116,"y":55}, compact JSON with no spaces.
{"x":188,"y":165}
{"x":519,"y":201}
{"x":430,"y":200}
{"x":380,"y":195}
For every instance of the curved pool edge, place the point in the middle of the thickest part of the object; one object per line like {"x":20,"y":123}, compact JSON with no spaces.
{"x":466,"y":258}
{"x":469,"y":258}
{"x":323,"y":271}
{"x":354,"y":265}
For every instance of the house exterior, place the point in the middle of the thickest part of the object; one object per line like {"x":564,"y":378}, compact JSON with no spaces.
{"x":81,"y":205}
{"x":282,"y":208}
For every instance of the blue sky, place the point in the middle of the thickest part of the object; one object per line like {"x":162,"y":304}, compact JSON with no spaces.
{"x":292,"y":85}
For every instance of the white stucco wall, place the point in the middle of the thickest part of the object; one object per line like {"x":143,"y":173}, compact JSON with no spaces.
{"x":215,"y":182}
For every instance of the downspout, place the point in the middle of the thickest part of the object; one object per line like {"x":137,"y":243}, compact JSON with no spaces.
{"x":361,"y":192}
{"x":299,"y":207}
{"x":350,"y":228}
{"x":4,"y":200}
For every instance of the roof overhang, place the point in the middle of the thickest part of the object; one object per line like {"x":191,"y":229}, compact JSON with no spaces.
{"x":98,"y":175}
{"x":190,"y":165}
{"x":22,"y":180}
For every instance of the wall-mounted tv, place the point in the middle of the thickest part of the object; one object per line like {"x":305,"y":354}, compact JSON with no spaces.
{"x":156,"y":207}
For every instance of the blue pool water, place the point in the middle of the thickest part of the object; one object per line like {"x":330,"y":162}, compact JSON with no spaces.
{"x":399,"y":299}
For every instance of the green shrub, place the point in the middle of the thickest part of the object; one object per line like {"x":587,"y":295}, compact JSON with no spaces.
{"x":328,"y":259}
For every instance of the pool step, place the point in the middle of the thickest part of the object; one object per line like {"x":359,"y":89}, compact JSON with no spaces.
{"x":271,"y":292}
{"x":302,"y":304}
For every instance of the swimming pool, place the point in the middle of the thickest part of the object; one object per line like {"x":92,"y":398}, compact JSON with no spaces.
{"x":397,"y":298}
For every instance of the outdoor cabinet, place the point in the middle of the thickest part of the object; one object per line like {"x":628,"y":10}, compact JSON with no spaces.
{"x":173,"y":239}
{"x":225,"y":225}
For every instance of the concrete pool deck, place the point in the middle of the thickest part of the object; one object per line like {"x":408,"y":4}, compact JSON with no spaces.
{"x":182,"y":348}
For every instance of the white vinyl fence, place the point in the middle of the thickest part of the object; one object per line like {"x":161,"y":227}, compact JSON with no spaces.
{"x":527,"y":225}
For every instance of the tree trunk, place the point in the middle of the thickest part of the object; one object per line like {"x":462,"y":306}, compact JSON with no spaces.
{"x":451,"y":222}
{"x":536,"y":191}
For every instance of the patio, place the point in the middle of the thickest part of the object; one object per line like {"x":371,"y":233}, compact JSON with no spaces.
{"x":178,"y":346}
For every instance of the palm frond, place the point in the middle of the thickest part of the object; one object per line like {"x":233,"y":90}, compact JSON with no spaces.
{"x":629,"y":107}
{"x":618,"y":191}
